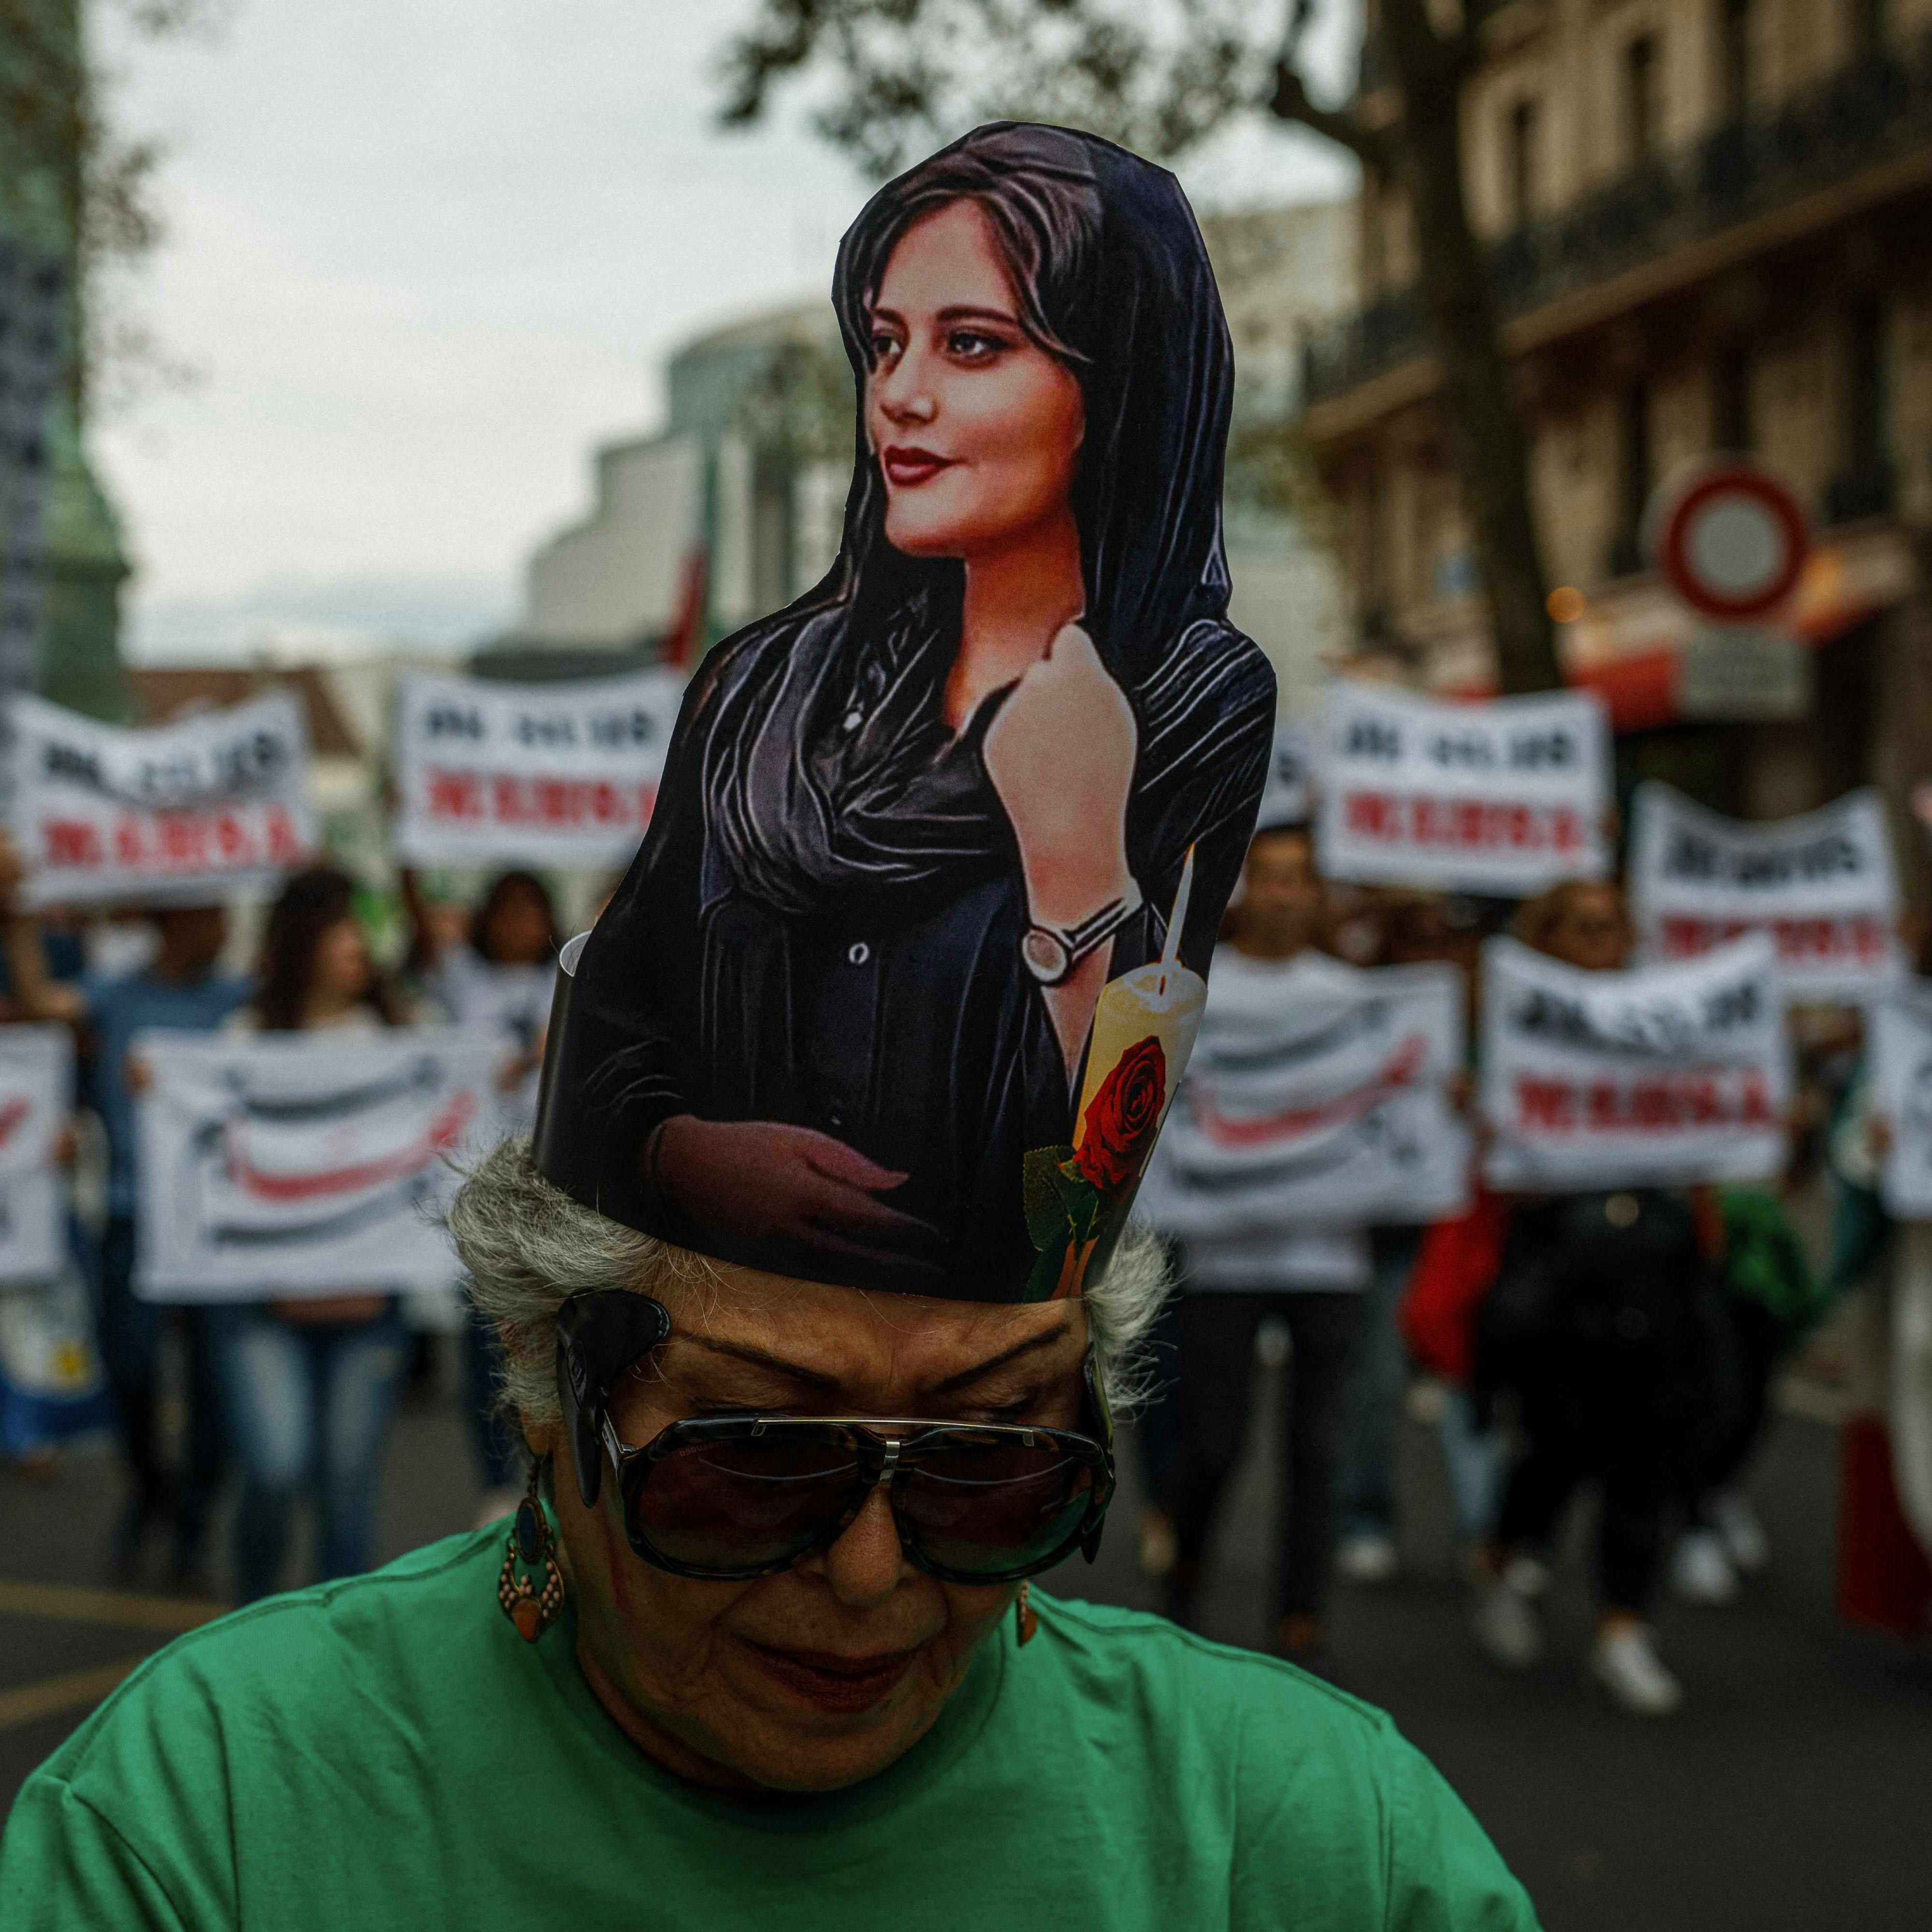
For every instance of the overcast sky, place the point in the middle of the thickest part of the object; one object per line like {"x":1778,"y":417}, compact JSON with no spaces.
{"x":421,"y":258}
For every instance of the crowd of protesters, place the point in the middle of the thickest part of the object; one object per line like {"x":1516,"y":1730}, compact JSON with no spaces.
{"x":1624,"y":1341}
{"x":291,"y":1396}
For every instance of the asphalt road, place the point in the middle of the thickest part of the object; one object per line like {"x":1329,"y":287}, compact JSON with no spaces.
{"x":1794,"y":1790}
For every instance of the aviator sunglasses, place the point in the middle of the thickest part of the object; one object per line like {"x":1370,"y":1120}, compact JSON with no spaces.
{"x":746,"y":1495}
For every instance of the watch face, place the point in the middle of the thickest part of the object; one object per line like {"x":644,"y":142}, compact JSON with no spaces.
{"x":1044,"y":953}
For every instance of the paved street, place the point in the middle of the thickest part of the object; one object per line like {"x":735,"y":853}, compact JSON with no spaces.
{"x":1791,"y":1792}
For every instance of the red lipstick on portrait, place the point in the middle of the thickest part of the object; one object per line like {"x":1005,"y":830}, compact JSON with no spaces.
{"x":906,"y":464}
{"x":835,"y":1683}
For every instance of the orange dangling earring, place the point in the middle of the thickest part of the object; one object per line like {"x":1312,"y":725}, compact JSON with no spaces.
{"x":532,"y":1606}
{"x":1026,"y":1619}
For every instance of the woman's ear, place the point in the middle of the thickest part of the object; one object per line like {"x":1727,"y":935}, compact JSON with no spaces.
{"x":539,"y":1439}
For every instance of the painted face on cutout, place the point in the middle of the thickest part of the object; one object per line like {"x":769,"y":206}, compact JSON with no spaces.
{"x":976,"y":428}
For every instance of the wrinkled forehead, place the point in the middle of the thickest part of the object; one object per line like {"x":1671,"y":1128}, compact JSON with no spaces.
{"x":856,"y":1334}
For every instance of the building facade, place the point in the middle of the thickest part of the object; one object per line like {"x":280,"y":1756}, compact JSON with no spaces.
{"x":1282,"y":273}
{"x":728,"y":513}
{"x":1710,"y":232}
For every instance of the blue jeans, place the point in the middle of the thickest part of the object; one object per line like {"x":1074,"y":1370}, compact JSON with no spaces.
{"x":309,"y":1406}
{"x":1475,"y":1457}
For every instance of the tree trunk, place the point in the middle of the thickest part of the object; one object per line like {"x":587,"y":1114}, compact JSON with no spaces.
{"x":1490,"y":450}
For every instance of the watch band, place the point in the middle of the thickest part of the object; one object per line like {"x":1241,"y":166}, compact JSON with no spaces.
{"x":1050,"y":952}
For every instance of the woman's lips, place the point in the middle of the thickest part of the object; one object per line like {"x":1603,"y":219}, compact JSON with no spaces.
{"x":905,"y":466}
{"x":832,"y":1682}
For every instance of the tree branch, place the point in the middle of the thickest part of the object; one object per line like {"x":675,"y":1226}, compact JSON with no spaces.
{"x":1290,"y":102}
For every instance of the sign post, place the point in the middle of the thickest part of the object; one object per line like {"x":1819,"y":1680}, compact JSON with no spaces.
{"x":1731,"y":540}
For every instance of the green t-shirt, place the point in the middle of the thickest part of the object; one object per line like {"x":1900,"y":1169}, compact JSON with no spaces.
{"x":387,"y":1752}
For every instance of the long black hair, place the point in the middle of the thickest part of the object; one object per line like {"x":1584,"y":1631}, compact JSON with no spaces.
{"x":311,"y":902}
{"x":498,"y":890}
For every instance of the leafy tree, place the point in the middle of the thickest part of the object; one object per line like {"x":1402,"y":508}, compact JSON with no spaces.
{"x":900,"y":76}
{"x":71,"y":182}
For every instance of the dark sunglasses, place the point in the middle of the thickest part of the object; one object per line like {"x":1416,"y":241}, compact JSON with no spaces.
{"x":740,"y":1496}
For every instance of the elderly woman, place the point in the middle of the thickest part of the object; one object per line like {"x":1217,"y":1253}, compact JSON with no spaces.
{"x":761,"y":1648}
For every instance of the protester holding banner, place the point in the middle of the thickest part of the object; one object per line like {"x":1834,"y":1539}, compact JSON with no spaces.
{"x":1593,"y":1325}
{"x":183,"y":988}
{"x":498,"y":975}
{"x":1419,"y":928}
{"x":310,"y":1382}
{"x":1311,"y":1277}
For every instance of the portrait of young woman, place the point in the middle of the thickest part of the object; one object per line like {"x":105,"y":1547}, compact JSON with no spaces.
{"x":948,"y":797}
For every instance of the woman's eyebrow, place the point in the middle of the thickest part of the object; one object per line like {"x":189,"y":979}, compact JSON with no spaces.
{"x":743,"y":1352}
{"x":967,"y":312}
{"x":966,"y":1377}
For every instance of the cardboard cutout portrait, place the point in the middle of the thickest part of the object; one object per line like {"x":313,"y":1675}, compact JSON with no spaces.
{"x":898,"y":989}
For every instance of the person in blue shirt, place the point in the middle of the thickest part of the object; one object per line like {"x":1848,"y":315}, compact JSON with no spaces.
{"x":183,"y":989}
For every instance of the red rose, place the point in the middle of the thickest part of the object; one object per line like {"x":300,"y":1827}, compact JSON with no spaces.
{"x":1118,"y":1133}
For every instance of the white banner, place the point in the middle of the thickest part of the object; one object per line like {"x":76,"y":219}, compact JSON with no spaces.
{"x":1899,"y":1056}
{"x":562,"y":774}
{"x":178,"y":813}
{"x":304,"y":1163}
{"x":1823,"y":886}
{"x":1332,"y":1108}
{"x":1665,"y":1074}
{"x":1507,"y":796}
{"x":36,"y":1096}
{"x":1289,"y":798}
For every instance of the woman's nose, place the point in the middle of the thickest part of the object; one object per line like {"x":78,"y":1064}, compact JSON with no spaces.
{"x":904,"y":395}
{"x":864,"y":1566}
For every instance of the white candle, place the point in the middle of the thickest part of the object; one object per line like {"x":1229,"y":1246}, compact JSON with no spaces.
{"x":1155,"y":1001}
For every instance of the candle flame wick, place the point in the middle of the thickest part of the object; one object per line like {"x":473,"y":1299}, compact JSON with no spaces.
{"x":1170,"y":955}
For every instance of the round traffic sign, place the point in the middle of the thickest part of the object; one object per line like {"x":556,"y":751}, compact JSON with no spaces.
{"x":1731,"y":541}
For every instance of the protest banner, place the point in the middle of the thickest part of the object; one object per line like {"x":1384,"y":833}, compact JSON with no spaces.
{"x":1506,"y":796}
{"x":304,"y":1163}
{"x":1823,"y":886}
{"x":1328,"y":1103}
{"x":562,"y":774}
{"x":1663,"y":1075}
{"x":175,"y":813}
{"x":1900,"y":1060}
{"x":1289,"y":797}
{"x":36,"y":1096}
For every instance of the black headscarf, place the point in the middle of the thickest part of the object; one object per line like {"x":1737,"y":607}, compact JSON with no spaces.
{"x":1113,"y":276}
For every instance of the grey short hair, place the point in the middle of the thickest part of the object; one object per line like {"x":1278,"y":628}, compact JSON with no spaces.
{"x":525,"y":1244}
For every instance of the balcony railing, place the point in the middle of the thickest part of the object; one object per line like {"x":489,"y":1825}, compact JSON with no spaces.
{"x":1862,"y":113}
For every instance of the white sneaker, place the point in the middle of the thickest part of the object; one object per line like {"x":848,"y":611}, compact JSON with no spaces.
{"x":1508,"y":1630}
{"x":1700,"y":1568}
{"x":1369,"y":1557}
{"x":1625,"y":1663}
{"x":1744,"y":1540}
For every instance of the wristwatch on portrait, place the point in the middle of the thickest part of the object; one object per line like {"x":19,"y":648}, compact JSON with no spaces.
{"x":1052,"y":952}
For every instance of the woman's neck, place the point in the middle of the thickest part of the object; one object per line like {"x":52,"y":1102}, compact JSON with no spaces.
{"x":1017,"y":599}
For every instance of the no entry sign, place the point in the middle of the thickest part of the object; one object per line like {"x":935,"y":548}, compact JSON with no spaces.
{"x":1731,"y":541}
